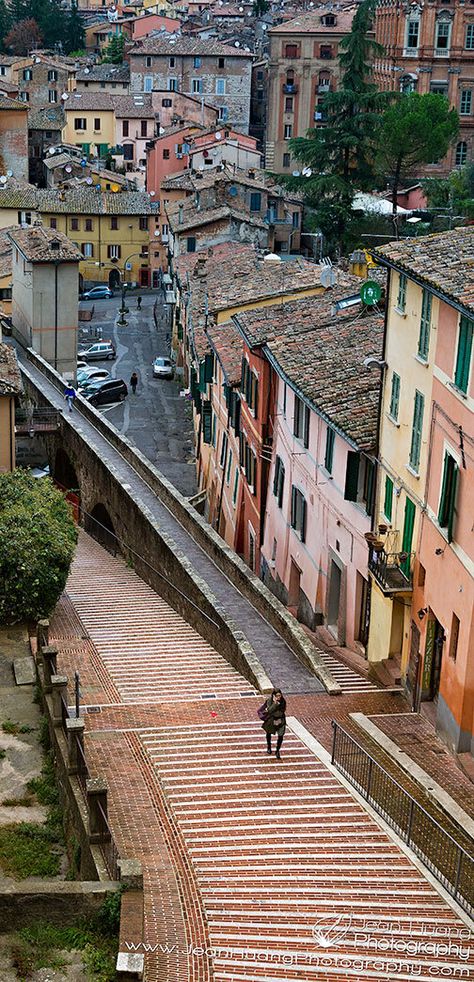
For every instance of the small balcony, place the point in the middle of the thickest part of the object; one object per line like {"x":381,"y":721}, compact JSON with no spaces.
{"x":392,"y":571}
{"x":37,"y":420}
{"x":290,"y":89}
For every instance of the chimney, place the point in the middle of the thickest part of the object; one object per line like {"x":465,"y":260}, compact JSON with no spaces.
{"x":180,"y":214}
{"x":200,"y":268}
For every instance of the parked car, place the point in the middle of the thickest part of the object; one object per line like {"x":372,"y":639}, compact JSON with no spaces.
{"x":101,"y":392}
{"x":100,"y":351}
{"x":81,"y":365}
{"x":163,"y":368}
{"x":97,"y":293}
{"x":86,"y":375}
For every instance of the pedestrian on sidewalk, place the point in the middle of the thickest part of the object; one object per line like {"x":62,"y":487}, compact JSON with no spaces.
{"x":134,"y":382}
{"x":139,"y":303}
{"x":69,"y":395}
{"x":274,"y":720}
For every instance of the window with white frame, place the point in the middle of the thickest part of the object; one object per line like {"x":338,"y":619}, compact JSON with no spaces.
{"x":52,"y":95}
{"x":461,"y":153}
{"x":196,"y":86}
{"x":52,"y":76}
{"x":288,"y":131}
{"x":412,"y":34}
{"x":469,"y":37}
{"x":172,"y":85}
{"x":88,"y":250}
{"x":443,"y":34}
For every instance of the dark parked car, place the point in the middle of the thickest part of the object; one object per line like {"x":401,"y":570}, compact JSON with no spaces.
{"x":101,"y":392}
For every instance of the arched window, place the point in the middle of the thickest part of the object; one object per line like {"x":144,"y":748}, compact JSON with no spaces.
{"x":408,"y":84}
{"x":461,"y":153}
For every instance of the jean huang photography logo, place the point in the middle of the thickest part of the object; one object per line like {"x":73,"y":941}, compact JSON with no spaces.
{"x":391,"y":935}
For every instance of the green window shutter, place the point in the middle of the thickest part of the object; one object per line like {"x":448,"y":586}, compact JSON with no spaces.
{"x":276,"y":476}
{"x":415,"y":448}
{"x":202,"y":379}
{"x":388,"y":503}
{"x":425,"y":325}
{"x":208,"y":368}
{"x":395,"y":396}
{"x":206,"y":422}
{"x":352,"y":476}
{"x":227,"y":395}
{"x":402,"y":292}
{"x":463,"y":359}
{"x":329,"y":455}
{"x":213,"y":430}
{"x":306,"y":420}
{"x":447,"y":503}
{"x":408,"y":526}
{"x":255,"y":395}
{"x":369,"y":486}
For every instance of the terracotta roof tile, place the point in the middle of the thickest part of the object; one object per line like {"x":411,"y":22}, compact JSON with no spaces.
{"x":44,"y":245}
{"x":444,"y":261}
{"x":321,"y":353}
{"x":184,"y":45}
{"x":226,"y":342}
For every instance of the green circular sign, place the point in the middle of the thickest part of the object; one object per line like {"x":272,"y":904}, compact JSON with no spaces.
{"x":370,"y":293}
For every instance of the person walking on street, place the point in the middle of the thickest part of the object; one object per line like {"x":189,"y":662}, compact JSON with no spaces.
{"x":134,"y":382}
{"x":69,"y":395}
{"x":274,"y":719}
{"x":139,"y":303}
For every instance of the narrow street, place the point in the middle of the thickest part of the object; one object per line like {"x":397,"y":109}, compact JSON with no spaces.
{"x":255,"y":870}
{"x":158,"y":420}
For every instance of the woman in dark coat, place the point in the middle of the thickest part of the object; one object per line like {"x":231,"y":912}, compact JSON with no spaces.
{"x":275,"y":720}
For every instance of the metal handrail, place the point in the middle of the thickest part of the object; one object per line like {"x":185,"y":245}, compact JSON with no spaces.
{"x":381,"y":563}
{"x":446,"y":859}
{"x":82,"y":768}
{"x":108,"y":846}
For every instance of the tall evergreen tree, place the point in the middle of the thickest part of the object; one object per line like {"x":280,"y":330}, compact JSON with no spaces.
{"x":6,"y":22}
{"x":74,"y":36}
{"x":336,"y":156}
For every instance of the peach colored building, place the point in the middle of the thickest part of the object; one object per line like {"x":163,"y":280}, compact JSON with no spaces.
{"x":439,"y":666}
{"x":141,"y":27}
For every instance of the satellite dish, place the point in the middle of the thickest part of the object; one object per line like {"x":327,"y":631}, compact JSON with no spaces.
{"x":152,"y":194}
{"x":37,"y":61}
{"x":115,"y":188}
{"x":237,"y":44}
{"x":156,"y":232}
{"x":327,"y":276}
{"x":9,"y":173}
{"x":64,"y":96}
{"x":3,"y":179}
{"x":296,"y":173}
{"x":233,"y":192}
{"x":86,"y":71}
{"x":218,"y":135}
{"x":88,"y":180}
{"x":306,"y":172}
{"x":52,"y":150}
{"x":83,"y":163}
{"x":68,"y":169}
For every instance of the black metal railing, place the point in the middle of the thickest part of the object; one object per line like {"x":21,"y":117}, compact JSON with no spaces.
{"x":64,"y":712}
{"x":446,"y":859}
{"x":39,"y":418}
{"x":107,"y":845}
{"x":392,"y":570}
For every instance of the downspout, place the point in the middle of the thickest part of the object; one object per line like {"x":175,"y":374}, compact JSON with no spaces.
{"x":56,"y":316}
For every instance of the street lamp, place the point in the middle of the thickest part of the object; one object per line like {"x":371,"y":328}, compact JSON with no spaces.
{"x":122,"y":309}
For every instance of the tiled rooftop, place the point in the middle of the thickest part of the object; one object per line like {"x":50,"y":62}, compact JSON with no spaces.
{"x":310,"y":23}
{"x":226,"y":342}
{"x":195,"y":217}
{"x":321,"y":352}
{"x":104,"y":73}
{"x":134,"y":106}
{"x":7,"y":103}
{"x":10,"y":377}
{"x":444,"y":261}
{"x":6,"y":250}
{"x":76,"y":201}
{"x":185,"y":45}
{"x":51,"y":118}
{"x":44,"y":245}
{"x":90,"y":101}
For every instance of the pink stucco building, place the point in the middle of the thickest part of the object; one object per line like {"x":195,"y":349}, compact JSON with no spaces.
{"x":321,"y":440}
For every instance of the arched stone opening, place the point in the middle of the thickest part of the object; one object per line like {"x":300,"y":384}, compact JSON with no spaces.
{"x":64,"y":472}
{"x":100,"y":526}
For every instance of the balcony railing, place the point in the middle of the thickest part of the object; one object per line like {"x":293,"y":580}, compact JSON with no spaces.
{"x":393,"y":571}
{"x":323,"y":87}
{"x":289,"y":89}
{"x":38,"y":419}
{"x":320,"y":117}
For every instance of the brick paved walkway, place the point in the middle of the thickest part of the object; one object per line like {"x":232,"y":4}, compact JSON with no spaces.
{"x":255,"y":870}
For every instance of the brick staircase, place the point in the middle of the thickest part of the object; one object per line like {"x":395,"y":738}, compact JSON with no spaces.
{"x":297,"y":880}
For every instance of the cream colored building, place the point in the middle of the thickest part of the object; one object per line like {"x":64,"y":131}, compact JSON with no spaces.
{"x":411,"y":336}
{"x":45,"y":291}
{"x":10,"y":387}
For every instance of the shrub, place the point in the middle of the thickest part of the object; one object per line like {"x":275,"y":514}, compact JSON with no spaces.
{"x":37,"y":541}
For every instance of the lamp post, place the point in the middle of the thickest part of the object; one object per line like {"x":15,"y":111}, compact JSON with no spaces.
{"x":122,"y":309}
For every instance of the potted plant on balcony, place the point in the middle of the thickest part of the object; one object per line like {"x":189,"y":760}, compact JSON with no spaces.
{"x":383,"y":529}
{"x":377,"y":545}
{"x":370,"y":537}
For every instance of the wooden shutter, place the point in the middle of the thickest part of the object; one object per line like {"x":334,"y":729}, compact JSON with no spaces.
{"x":276,"y":476}
{"x":281,"y":484}
{"x":208,"y":368}
{"x":370,"y":487}
{"x":388,"y":503}
{"x":306,"y":426}
{"x":417,"y":427}
{"x":206,"y":422}
{"x":463,"y":360}
{"x":395,"y":396}
{"x":352,"y":476}
{"x":329,"y":454}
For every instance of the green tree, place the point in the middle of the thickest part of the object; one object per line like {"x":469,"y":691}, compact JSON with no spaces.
{"x":23,"y":36}
{"x":416,"y":130}
{"x":337,"y":156}
{"x":114,"y":51}
{"x":260,"y":7}
{"x":37,"y":541}
{"x":5,"y":23}
{"x":74,"y":36}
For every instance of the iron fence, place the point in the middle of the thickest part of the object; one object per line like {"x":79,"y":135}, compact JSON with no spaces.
{"x":392,"y":570}
{"x":82,"y":768}
{"x":107,"y":845}
{"x":446,"y":859}
{"x":64,"y":712}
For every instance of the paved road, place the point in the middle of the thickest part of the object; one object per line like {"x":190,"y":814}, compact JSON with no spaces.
{"x":158,"y":420}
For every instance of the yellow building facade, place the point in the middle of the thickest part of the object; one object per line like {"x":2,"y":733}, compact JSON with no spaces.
{"x":411,"y":331}
{"x":90,"y":122}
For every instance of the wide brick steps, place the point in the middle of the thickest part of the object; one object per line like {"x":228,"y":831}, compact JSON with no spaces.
{"x":297,"y":880}
{"x":345,"y":676}
{"x":150,"y":652}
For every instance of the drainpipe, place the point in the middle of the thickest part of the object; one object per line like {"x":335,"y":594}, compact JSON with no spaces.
{"x":55,"y":316}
